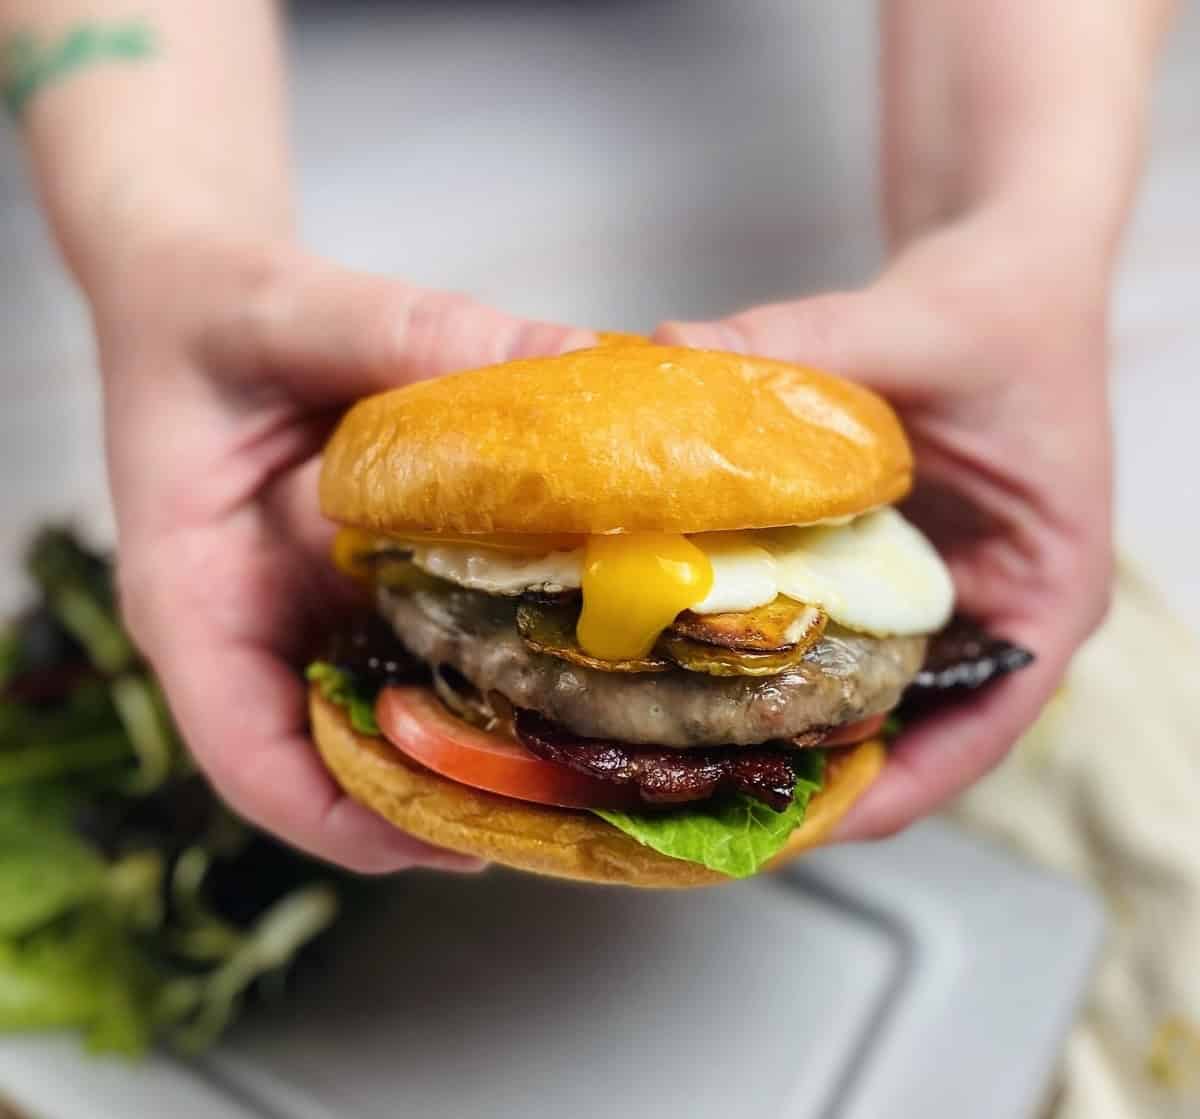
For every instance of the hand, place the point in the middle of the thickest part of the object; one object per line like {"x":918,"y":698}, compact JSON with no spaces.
{"x":991,"y":345}
{"x":225,"y":367}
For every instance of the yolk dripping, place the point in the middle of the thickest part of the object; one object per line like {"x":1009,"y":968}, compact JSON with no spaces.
{"x":634,"y":584}
{"x":351,"y":549}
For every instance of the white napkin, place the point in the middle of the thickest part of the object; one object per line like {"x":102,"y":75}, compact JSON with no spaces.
{"x":1106,"y":787}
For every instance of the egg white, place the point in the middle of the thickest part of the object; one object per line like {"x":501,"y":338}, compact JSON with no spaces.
{"x":876,"y":573}
{"x":501,"y":572}
{"x":744,"y":574}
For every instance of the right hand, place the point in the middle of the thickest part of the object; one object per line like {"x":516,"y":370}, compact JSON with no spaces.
{"x":992,"y":348}
{"x":225,"y":367}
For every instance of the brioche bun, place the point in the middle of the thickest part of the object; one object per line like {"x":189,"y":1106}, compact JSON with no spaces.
{"x":622,"y":437}
{"x":560,"y":842}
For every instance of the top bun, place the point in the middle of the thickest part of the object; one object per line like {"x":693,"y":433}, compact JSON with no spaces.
{"x":624,"y":437}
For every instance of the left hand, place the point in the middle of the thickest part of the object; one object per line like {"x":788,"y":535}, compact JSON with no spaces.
{"x":992,"y":348}
{"x":225,"y":366}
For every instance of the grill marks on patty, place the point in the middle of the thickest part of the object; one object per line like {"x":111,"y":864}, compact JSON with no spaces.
{"x":844,"y":677}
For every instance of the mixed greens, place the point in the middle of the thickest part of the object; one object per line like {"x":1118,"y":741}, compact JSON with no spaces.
{"x":133,"y":906}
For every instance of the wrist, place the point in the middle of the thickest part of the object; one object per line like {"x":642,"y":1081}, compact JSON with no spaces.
{"x":1045,"y":193}
{"x":112,"y":204}
{"x":170,"y":293}
{"x":116,"y":236}
{"x":988,"y":107}
{"x":1010,"y":279}
{"x":1054,"y":235}
{"x":1024,"y":246}
{"x":184,"y":138}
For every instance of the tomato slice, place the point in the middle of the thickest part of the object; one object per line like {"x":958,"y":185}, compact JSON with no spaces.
{"x":853,"y":733}
{"x":416,"y":723}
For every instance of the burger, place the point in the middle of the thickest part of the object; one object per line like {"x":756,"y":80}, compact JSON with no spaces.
{"x":640,"y":613}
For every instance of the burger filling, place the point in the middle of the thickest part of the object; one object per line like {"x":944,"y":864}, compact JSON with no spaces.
{"x":687,"y":688}
{"x":842,"y":678}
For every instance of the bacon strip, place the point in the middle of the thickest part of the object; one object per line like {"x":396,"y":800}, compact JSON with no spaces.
{"x":964,"y":656}
{"x":664,"y":777}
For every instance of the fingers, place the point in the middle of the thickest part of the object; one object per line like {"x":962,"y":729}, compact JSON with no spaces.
{"x":292,"y":499}
{"x":334,"y":335}
{"x":883,"y":338}
{"x":825,"y":329}
{"x":242,"y":711}
{"x":948,"y":751}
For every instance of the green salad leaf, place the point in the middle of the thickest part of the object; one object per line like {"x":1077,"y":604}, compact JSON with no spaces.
{"x":78,"y":586}
{"x":83,"y":973}
{"x":10,"y":653}
{"x":48,"y":761}
{"x":340,"y":687}
{"x":134,"y":908}
{"x":735,"y":835}
{"x":85,"y":711}
{"x":45,"y":869}
{"x":201,"y":1010}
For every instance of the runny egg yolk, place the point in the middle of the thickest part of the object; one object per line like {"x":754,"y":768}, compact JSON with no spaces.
{"x":634,"y":584}
{"x":351,"y":550}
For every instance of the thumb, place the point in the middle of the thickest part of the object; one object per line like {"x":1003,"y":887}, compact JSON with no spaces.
{"x":874,"y":336}
{"x":331,"y":334}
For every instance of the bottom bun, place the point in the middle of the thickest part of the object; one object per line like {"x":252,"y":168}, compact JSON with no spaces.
{"x":562,"y":842}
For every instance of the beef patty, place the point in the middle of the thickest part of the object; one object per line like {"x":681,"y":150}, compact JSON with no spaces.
{"x":845,"y":677}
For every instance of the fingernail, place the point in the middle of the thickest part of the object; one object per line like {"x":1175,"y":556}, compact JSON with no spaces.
{"x":412,"y":854}
{"x":455,"y":864}
{"x":701,"y":336}
{"x":578,"y":340}
{"x":540,"y":339}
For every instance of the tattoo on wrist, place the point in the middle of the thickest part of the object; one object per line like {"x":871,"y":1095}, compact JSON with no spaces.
{"x":28,"y":65}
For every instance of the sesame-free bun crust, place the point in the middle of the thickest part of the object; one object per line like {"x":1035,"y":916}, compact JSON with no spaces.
{"x":559,"y":842}
{"x":622,"y":437}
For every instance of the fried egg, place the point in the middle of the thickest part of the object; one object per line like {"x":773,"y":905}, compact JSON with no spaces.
{"x":502,"y":572}
{"x":875,"y":573}
{"x":878,"y":574}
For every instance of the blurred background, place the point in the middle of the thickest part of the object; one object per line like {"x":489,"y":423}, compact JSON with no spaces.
{"x":612,"y":165}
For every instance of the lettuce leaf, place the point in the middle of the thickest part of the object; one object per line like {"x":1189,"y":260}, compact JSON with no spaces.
{"x":341,"y":687}
{"x":133,"y":908}
{"x":735,"y":835}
